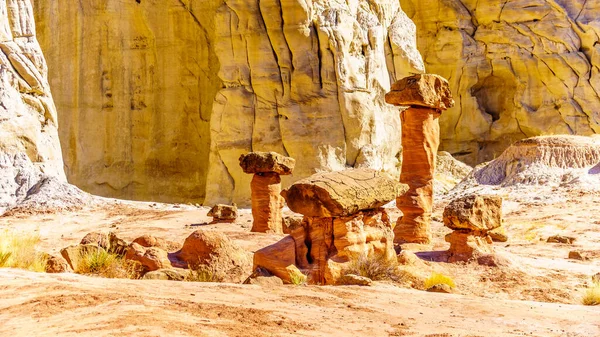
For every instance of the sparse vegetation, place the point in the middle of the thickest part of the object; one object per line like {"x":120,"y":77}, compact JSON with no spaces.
{"x":592,"y":293}
{"x":377,"y":268}
{"x":109,"y":265}
{"x":203,"y":273}
{"x":298,"y":278}
{"x":19,"y":251}
{"x":437,"y":278}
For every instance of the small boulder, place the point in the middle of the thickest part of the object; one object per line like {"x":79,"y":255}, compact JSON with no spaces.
{"x":223,"y":212}
{"x":474,"y":213}
{"x":407,"y":258}
{"x":96,"y":238}
{"x":152,"y":241}
{"x":561,"y":239}
{"x":355,"y":280}
{"x":174,"y":274}
{"x":151,"y":258}
{"x":73,"y":254}
{"x":440,"y":288}
{"x":117,"y":245}
{"x":576,"y":255}
{"x":267,"y":162}
{"x":57,"y":264}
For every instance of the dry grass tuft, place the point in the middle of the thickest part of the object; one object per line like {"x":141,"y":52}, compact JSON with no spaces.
{"x":437,"y":278}
{"x":204,"y":273}
{"x":298,"y":278}
{"x":377,"y":268}
{"x":18,"y":251}
{"x":104,"y":264}
{"x":592,"y":295}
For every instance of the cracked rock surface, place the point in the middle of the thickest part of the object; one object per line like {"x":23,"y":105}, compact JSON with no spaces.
{"x":517,"y":69}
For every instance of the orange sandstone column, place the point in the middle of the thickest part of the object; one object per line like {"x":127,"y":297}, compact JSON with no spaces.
{"x":266,"y":188}
{"x":426,"y":97}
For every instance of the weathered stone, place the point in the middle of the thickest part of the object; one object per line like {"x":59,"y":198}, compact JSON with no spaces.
{"x":96,"y":238}
{"x":73,"y":254}
{"x":341,"y":193}
{"x":267,"y":162}
{"x":561,"y":239}
{"x":117,"y":245}
{"x":324,"y":247}
{"x":464,"y":246}
{"x":152,"y":241}
{"x":214,"y":250}
{"x":499,"y":234}
{"x":355,"y":280}
{"x":440,"y":288}
{"x":222,"y":212}
{"x":174,"y":274}
{"x":57,"y":264}
{"x":407,"y":258}
{"x":266,"y":203}
{"x":421,"y":90}
{"x":474,"y":212}
{"x":577,"y":255}
{"x":151,"y":258}
{"x":186,"y":90}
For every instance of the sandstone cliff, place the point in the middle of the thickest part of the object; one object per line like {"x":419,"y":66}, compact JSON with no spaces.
{"x":518,"y":68}
{"x":30,"y":152}
{"x":158,"y":99}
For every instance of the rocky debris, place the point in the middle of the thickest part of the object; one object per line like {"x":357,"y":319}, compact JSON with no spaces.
{"x":323,"y":247}
{"x":174,"y":274}
{"x":223,"y":212}
{"x":561,"y":239}
{"x":57,"y":264}
{"x":151,"y":258}
{"x":499,"y":234}
{"x":73,"y":254}
{"x":117,"y":245}
{"x":96,"y":238}
{"x":440,"y":288}
{"x":266,"y":188}
{"x":274,"y":84}
{"x":448,"y":173}
{"x":549,"y":161}
{"x":341,"y":193}
{"x":426,"y":97}
{"x":479,"y":46}
{"x":267,"y":162}
{"x":472,"y":217}
{"x":152,"y":241}
{"x":577,"y":255}
{"x":214,"y":250}
{"x":355,"y":280}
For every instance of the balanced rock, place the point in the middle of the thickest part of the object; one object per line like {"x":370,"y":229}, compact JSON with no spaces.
{"x":474,"y":213}
{"x":472,"y":218}
{"x":421,"y":90}
{"x":342,"y":193}
{"x":223,"y":212}
{"x":151,"y":258}
{"x":266,"y":162}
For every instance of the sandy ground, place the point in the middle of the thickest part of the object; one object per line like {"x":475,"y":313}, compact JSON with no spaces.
{"x":535,"y":294}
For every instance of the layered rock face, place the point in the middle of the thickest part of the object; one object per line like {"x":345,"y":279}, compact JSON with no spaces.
{"x":517,"y":69}
{"x":29,"y":147}
{"x":137,"y":83}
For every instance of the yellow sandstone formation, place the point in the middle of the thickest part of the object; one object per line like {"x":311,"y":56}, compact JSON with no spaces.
{"x":159,"y":99}
{"x":516,"y":68}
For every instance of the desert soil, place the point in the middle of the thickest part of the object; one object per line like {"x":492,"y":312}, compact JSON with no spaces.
{"x":535,"y":293}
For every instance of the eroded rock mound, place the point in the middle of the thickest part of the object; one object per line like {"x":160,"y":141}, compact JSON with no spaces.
{"x":342,"y":193}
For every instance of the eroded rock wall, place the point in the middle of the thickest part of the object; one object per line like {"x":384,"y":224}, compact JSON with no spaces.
{"x":29,"y":145}
{"x":160,"y":98}
{"x":517,"y":68}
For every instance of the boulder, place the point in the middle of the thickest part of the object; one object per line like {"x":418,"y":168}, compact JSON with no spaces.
{"x":96,"y":238}
{"x":117,"y":245}
{"x":215,"y":251}
{"x":474,"y":213}
{"x":561,"y":239}
{"x":577,"y":255}
{"x":276,"y":258}
{"x":342,"y":193}
{"x":354,"y":280}
{"x":152,"y":241}
{"x":57,"y":264}
{"x":421,"y":90}
{"x":267,"y":162}
{"x":223,"y":212}
{"x":73,"y":254}
{"x":174,"y":274}
{"x":151,"y":258}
